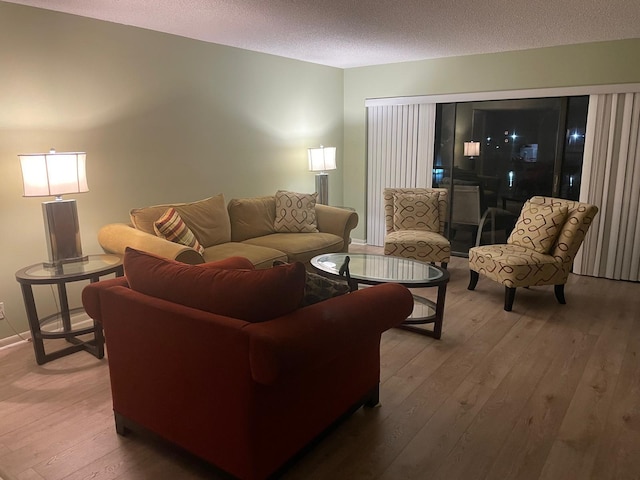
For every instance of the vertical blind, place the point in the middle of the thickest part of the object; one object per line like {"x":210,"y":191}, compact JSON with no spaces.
{"x":611,"y":180}
{"x":400,"y":146}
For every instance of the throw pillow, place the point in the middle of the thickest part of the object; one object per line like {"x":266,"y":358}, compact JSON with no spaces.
{"x":246,"y":294}
{"x":295,"y":212}
{"x":416,"y":211}
{"x":538,"y":226}
{"x":318,"y":288}
{"x":171,"y":227}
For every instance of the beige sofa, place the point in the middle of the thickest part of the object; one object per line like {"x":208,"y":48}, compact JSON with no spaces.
{"x":244,"y":227}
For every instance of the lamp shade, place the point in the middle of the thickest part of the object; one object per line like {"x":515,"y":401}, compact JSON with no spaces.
{"x":471,"y":149}
{"x":322,"y":159}
{"x":53,"y":173}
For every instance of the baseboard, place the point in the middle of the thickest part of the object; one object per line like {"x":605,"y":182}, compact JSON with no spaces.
{"x":81,"y":320}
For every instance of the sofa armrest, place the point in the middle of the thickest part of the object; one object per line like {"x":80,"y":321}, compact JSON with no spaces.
{"x":315,"y":335}
{"x":115,"y":237}
{"x":91,"y":295}
{"x":338,"y":221}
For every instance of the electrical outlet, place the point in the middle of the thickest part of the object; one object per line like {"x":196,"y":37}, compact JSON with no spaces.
{"x":1,"y":310}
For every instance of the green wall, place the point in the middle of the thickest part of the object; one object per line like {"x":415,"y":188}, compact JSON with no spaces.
{"x":168,"y":119}
{"x":162,"y":119}
{"x":574,"y":65}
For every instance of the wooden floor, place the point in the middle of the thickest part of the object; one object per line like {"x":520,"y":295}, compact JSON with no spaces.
{"x":544,"y":392}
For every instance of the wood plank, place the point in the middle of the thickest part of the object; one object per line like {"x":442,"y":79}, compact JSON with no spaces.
{"x":574,"y":451}
{"x":545,"y":391}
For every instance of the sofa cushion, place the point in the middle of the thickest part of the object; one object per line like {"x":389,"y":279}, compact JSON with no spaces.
{"x":538,"y":226}
{"x":170,"y":226}
{"x":246,"y":294}
{"x":251,"y":217}
{"x":300,"y":247}
{"x":416,"y":211}
{"x":261,"y":257}
{"x":295,"y":212}
{"x":208,"y":219}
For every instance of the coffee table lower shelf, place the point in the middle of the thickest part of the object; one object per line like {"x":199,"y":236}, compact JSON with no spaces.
{"x":425,"y":312}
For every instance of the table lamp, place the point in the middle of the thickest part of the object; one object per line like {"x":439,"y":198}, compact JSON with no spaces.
{"x":320,"y":160}
{"x":56,"y":174}
{"x":471,"y":149}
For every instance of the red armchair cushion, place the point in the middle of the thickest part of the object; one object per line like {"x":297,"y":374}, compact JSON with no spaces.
{"x":230,"y":287}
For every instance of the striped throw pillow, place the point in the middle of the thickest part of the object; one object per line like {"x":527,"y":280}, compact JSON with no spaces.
{"x":170,"y":226}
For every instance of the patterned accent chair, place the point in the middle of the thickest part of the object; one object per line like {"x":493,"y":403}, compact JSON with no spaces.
{"x":540,"y":249}
{"x":415,"y":219}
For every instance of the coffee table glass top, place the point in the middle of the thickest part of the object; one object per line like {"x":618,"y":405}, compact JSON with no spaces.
{"x":379,"y":268}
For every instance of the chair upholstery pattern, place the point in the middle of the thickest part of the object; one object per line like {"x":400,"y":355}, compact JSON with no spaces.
{"x":419,"y":245}
{"x":518,"y":266}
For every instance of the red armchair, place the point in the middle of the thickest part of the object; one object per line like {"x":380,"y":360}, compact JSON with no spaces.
{"x":246,"y":397}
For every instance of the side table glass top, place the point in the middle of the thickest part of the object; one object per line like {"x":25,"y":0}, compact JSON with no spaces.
{"x":379,"y":268}
{"x":93,"y":264}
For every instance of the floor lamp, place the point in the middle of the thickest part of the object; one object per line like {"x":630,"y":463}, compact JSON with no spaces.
{"x":56,"y":174}
{"x":320,"y":160}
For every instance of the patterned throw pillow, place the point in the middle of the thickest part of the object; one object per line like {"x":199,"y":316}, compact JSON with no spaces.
{"x":170,"y":226}
{"x":318,"y":288}
{"x":416,"y":211}
{"x":538,"y":226}
{"x":295,"y":212}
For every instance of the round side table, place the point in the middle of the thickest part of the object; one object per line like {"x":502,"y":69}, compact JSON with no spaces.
{"x":94,"y":267}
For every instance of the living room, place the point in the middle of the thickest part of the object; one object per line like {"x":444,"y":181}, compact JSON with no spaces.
{"x":168,"y":119}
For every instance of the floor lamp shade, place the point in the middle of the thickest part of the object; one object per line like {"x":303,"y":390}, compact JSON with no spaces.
{"x":57,"y":174}
{"x":320,"y":160}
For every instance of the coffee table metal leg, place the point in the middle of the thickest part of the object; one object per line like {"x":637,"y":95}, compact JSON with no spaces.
{"x":437,"y":326}
{"x":436,"y":319}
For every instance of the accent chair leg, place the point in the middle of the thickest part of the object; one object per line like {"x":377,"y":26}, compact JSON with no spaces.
{"x":509,"y":296}
{"x":121,"y":428}
{"x":473,"y":279}
{"x":559,"y":291}
{"x":374,"y":398}
{"x":444,"y":265}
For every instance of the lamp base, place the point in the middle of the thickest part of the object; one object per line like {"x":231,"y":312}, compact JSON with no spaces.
{"x":322,"y":187}
{"x":60,"y":263}
{"x":63,"y":232}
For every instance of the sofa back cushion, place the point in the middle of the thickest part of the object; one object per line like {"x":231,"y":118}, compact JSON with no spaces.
{"x":243,"y":293}
{"x":208,"y":219}
{"x":251,"y":217}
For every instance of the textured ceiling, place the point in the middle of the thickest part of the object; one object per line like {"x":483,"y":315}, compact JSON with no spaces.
{"x":349,"y":33}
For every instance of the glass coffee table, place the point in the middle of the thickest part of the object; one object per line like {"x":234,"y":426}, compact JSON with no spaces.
{"x":373,"y":269}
